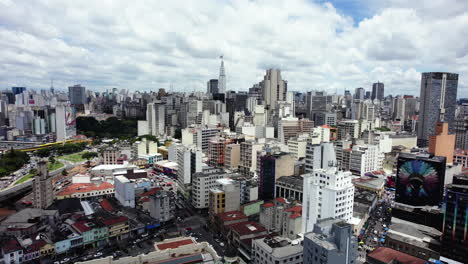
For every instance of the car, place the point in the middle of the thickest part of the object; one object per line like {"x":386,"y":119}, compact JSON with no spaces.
{"x":98,"y":254}
{"x":221,"y":244}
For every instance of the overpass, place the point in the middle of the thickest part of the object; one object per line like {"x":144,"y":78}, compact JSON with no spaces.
{"x":16,"y":191}
{"x":17,"y":144}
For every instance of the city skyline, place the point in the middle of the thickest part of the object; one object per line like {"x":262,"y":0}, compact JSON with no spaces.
{"x":328,"y":46}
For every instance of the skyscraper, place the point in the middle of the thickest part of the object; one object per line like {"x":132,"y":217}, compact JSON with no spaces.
{"x":212,"y":86}
{"x":377,"y":91}
{"x":274,"y":88}
{"x":155,"y":116}
{"x":359,"y":93}
{"x":438,"y":100}
{"x":42,"y":188}
{"x":222,"y":78}
{"x":77,"y":94}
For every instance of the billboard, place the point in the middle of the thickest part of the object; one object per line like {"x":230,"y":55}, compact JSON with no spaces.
{"x":420,"y":180}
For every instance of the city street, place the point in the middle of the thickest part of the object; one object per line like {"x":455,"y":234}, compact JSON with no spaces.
{"x":376,"y":226}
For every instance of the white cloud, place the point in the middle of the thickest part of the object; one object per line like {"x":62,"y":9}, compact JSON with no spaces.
{"x":145,"y":45}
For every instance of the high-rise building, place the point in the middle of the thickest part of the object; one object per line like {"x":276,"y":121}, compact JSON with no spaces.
{"x":331,"y":242}
{"x":222,"y":78}
{"x":155,"y":116}
{"x":377,"y":91}
{"x":212,"y":86}
{"x":319,"y":156}
{"x":327,"y":193}
{"x":442,"y":144}
{"x":359,"y":93}
{"x":455,"y":223}
{"x":316,"y":103}
{"x":419,"y":180}
{"x":273,"y":166}
{"x":189,"y":160}
{"x":42,"y":187}
{"x":225,"y":197}
{"x":292,"y":127}
{"x":77,"y":94}
{"x":438,"y":100}
{"x":124,"y":191}
{"x":18,"y":90}
{"x":274,"y":88}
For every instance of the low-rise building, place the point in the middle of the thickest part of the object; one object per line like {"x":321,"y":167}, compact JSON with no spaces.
{"x":93,"y":232}
{"x":117,"y":226}
{"x":282,"y":217}
{"x":290,"y":187}
{"x":461,"y":157}
{"x":277,"y":250}
{"x":414,"y":239}
{"x":385,"y":255}
{"x":87,"y":191}
{"x":162,"y":206}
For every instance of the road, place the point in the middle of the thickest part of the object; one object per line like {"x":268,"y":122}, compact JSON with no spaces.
{"x":378,"y":222}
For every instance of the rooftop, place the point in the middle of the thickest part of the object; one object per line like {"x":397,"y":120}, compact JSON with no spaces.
{"x":245,"y":228}
{"x":115,"y":220}
{"x":231,"y":216}
{"x":85,"y":187}
{"x":27,"y":214}
{"x":412,"y":233}
{"x":388,"y":255}
{"x":173,"y":243}
{"x":280,"y":247}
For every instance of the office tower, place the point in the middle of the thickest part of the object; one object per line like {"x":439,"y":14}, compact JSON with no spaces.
{"x":411,"y":105}
{"x":461,"y":127}
{"x":189,"y":160}
{"x":359,"y":93}
{"x":155,"y":116}
{"x":316,"y":103}
{"x":42,"y":188}
{"x":292,"y":127}
{"x":319,"y":156}
{"x":399,"y":104}
{"x":438,"y":99}
{"x":18,"y":90}
{"x":77,"y":94}
{"x":455,"y":223}
{"x":377,"y":91}
{"x":368,"y":95}
{"x":273,"y":166}
{"x":331,"y":242}
{"x":419,"y":179}
{"x":60,"y":122}
{"x":222,"y":78}
{"x":212,"y":86}
{"x":274,"y":88}
{"x":327,"y":193}
{"x":442,"y":144}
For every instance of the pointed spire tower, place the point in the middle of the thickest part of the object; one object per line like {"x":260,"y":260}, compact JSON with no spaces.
{"x":222,"y":77}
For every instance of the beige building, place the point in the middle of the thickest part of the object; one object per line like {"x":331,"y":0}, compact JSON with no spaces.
{"x":442,"y":144}
{"x":232,"y":157}
{"x":248,"y":157}
{"x":282,"y":217}
{"x":293,"y":127}
{"x":42,"y":187}
{"x":273,"y":88}
{"x":224,"y":198}
{"x":110,"y":156}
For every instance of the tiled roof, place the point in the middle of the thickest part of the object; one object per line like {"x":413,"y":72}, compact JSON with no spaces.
{"x":268,"y":205}
{"x":231,"y":216}
{"x":245,"y":228}
{"x":115,"y":220}
{"x":35,"y":246}
{"x":295,"y":215}
{"x":280,"y":200}
{"x":11,"y":246}
{"x":174,"y":244}
{"x":295,"y":209}
{"x":326,"y":126}
{"x":388,"y":255}
{"x":106,"y":205}
{"x":82,"y":226}
{"x":151,"y":191}
{"x":85,"y":187}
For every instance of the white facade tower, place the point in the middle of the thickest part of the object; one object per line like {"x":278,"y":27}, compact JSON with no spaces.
{"x":222,"y":78}
{"x":327,"y":193}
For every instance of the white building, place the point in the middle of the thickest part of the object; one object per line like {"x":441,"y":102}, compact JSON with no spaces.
{"x":124,"y":191}
{"x":365,"y":158}
{"x":202,"y":183}
{"x":189,"y":160}
{"x":327,"y":193}
{"x":198,"y":136}
{"x":277,"y":250}
{"x":297,"y":146}
{"x":320,"y":134}
{"x":319,"y":156}
{"x":155,"y":115}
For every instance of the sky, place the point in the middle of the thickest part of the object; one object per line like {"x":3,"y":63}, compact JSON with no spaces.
{"x":175,"y":44}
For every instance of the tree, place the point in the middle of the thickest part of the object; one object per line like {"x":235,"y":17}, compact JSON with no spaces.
{"x":33,"y":171}
{"x":64,"y":172}
{"x":52,"y":159}
{"x":89,"y":155}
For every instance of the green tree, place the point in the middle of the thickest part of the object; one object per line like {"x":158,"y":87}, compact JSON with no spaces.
{"x":64,"y":172}
{"x":89,"y":155}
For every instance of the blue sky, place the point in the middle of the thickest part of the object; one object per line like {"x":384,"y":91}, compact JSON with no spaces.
{"x":146,"y":45}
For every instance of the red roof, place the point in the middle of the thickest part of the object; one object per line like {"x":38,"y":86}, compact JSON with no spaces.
{"x":85,"y":187}
{"x":231,"y":216}
{"x":144,"y":199}
{"x":106,"y":205}
{"x":11,"y":246}
{"x":268,"y":205}
{"x":388,"y":255}
{"x":174,"y":244}
{"x":82,"y":226}
{"x":280,"y":200}
{"x":326,"y":126}
{"x":115,"y":220}
{"x":245,"y":228}
{"x":295,"y":215}
{"x":295,"y":209}
{"x":151,"y":191}
{"x":35,"y":246}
